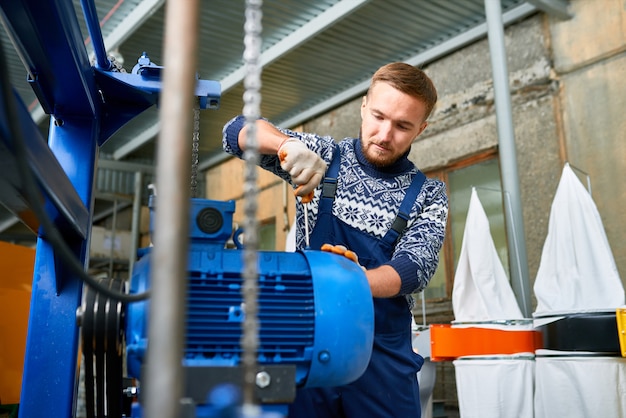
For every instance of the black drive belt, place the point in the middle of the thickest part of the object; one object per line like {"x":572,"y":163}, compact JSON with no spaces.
{"x":102,"y":345}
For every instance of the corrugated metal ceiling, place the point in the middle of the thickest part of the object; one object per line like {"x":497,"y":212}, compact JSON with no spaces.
{"x":316,"y":50}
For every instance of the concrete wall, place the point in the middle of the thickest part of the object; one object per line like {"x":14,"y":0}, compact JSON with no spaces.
{"x":464,"y":122}
{"x":589,"y":55}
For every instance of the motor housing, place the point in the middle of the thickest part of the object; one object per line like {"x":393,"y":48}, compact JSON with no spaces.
{"x":315,"y":309}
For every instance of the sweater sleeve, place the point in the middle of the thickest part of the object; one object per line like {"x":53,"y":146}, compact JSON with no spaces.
{"x":230,"y":145}
{"x":323,"y":146}
{"x":416,"y":256}
{"x":230,"y":135}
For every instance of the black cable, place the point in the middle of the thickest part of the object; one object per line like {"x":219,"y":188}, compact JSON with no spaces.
{"x":31,"y":192}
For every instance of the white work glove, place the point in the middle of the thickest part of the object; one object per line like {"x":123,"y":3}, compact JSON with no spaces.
{"x":305,"y":167}
{"x":342,"y":250}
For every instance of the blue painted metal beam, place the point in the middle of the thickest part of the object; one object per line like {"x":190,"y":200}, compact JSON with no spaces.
{"x":125,"y":95}
{"x":52,"y":47}
{"x":50,"y":378}
{"x":93,"y":26}
{"x":47,"y":37}
{"x":67,"y":210}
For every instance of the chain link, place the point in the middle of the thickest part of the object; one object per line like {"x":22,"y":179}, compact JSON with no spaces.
{"x":195,"y":147}
{"x":252,"y":112}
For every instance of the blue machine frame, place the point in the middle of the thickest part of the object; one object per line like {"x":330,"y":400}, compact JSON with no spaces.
{"x":87,"y":105}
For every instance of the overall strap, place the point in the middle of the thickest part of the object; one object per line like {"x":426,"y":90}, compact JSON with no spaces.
{"x":398,"y":225}
{"x":329,"y":185}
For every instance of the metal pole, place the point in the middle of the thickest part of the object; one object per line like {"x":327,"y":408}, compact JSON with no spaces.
{"x":164,"y":375}
{"x":508,"y":162}
{"x":134,"y":243}
{"x":113,"y":233}
{"x":93,"y":27}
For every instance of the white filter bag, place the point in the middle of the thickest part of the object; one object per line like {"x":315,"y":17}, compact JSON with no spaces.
{"x":580,"y":387}
{"x":577,"y":271}
{"x":495,"y":387}
{"x":481,"y":290}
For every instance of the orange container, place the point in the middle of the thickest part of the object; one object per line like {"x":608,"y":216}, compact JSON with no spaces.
{"x":448,"y":343}
{"x":16,"y":265}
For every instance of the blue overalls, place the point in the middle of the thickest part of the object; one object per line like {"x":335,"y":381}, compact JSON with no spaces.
{"x":388,"y":388}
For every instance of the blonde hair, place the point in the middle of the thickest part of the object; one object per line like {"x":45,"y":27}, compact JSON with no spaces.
{"x":410,"y":80}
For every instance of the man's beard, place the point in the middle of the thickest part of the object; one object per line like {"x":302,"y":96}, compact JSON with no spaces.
{"x":376,"y":160}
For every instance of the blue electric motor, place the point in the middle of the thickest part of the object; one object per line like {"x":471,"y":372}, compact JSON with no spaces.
{"x":315,"y":310}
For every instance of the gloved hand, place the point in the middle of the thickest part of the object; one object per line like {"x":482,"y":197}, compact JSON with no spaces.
{"x":342,"y":250}
{"x":305,"y":167}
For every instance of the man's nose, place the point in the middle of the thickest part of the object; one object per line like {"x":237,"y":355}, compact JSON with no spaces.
{"x":385,"y":131}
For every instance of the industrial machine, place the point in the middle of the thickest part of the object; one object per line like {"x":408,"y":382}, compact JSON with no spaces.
{"x":315,"y":314}
{"x":314,"y":308}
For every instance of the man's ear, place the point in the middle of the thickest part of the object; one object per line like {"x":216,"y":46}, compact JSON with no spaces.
{"x":363,"y":104}
{"x":421,"y":129}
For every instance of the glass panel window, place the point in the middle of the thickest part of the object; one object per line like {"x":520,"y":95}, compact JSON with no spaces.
{"x":267,"y":235}
{"x":485,"y":177}
{"x":483,"y":173}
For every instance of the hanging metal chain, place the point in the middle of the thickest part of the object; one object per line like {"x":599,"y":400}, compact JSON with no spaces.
{"x":195,"y":147}
{"x":252,"y":112}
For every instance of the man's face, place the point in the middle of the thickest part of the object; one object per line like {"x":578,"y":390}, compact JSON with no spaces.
{"x":391,"y":120}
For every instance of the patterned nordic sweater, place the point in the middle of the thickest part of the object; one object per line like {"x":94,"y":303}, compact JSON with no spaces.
{"x":368,"y":199}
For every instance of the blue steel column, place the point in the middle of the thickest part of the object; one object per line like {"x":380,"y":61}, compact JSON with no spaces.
{"x":50,"y":377}
{"x":508,"y":162}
